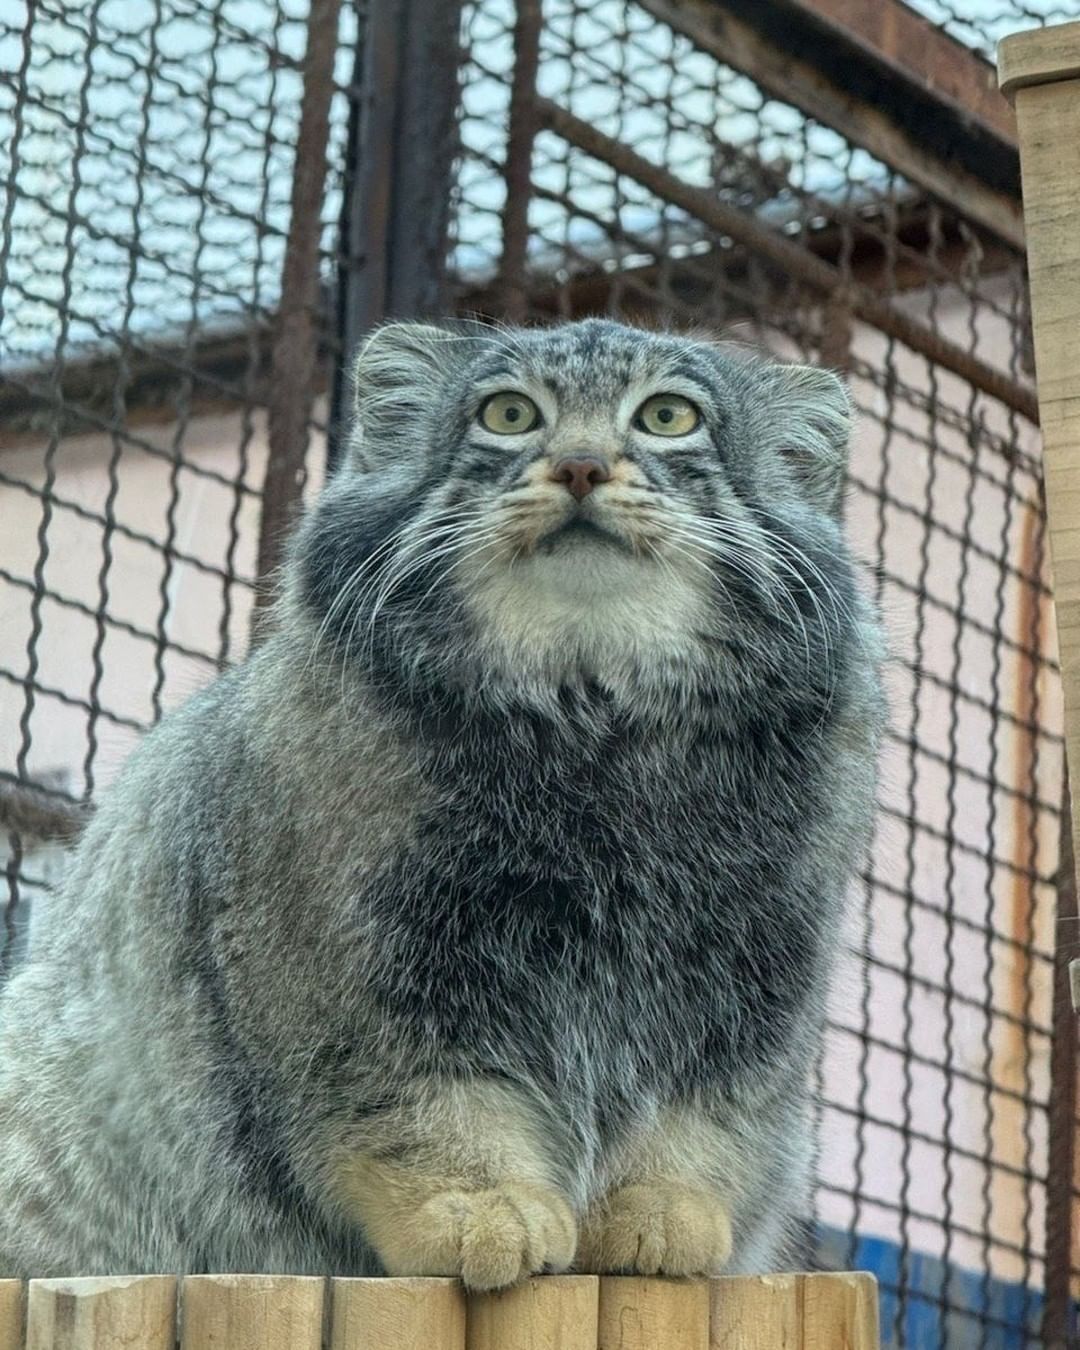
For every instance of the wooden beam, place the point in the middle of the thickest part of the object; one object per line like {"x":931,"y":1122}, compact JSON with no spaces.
{"x":789,"y":72}
{"x":638,"y":1314}
{"x":1040,"y":71}
{"x":803,"y":1312}
{"x":1041,"y":56}
{"x":101,"y":1314}
{"x":397,"y":1314}
{"x":894,"y":34}
{"x":296,"y":340}
{"x":12,"y":1299}
{"x":1043,"y":81}
{"x":250,"y":1312}
{"x":554,"y":1312}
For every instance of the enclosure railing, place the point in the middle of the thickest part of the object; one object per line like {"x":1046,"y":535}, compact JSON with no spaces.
{"x":265,"y":1312}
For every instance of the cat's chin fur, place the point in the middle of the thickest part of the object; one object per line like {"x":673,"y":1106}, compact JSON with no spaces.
{"x":587,"y":610}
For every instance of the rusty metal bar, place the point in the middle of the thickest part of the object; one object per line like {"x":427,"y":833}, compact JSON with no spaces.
{"x":791,"y":73}
{"x":836,"y":333}
{"x":293,"y":362}
{"x":517,"y":171}
{"x":408,"y":143}
{"x":402,"y":147}
{"x":791,"y":258}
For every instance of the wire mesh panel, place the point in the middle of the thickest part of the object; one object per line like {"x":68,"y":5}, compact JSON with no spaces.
{"x":935,"y":1085}
{"x":607,"y":164}
{"x":981,"y":24}
{"x":148,"y":150}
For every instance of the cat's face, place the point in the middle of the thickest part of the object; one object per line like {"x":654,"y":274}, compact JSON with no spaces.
{"x":589,"y":499}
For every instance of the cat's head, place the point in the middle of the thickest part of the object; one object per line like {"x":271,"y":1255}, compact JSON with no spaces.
{"x":534,"y":508}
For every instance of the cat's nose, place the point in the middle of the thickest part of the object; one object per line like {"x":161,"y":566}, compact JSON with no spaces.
{"x":580,"y":474}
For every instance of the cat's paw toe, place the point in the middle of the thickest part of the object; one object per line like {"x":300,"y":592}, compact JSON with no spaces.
{"x":665,"y":1228}
{"x":490,"y":1238}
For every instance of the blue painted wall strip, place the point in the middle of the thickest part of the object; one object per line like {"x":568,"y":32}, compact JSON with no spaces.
{"x":943,"y":1308}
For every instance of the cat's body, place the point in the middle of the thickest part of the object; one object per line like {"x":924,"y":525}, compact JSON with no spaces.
{"x":492,"y":908}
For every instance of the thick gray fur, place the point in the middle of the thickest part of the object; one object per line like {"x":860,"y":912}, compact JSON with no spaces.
{"x":571,"y":812}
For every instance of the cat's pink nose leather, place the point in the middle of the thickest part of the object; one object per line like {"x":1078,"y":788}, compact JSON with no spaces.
{"x":581,"y":474}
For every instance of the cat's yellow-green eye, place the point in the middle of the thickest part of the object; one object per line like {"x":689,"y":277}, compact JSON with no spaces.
{"x":509,"y":413}
{"x":667,"y":415}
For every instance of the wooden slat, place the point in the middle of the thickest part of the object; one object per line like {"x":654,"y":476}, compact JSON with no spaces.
{"x":1039,"y":56}
{"x":1048,"y":119}
{"x":12,"y":1295}
{"x":839,"y":1312}
{"x":554,"y":1312}
{"x":644,"y":1314}
{"x":794,"y":1312}
{"x":398,"y":1314}
{"x":755,"y":1313}
{"x":252,"y":1312}
{"x":102,"y":1314}
{"x":1041,"y":71}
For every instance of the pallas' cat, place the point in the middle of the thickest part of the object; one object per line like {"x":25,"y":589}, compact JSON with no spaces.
{"x":481,"y":922}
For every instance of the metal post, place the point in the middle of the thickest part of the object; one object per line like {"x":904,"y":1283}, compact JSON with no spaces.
{"x":292,"y":386}
{"x":396,"y":212}
{"x":517,"y":172}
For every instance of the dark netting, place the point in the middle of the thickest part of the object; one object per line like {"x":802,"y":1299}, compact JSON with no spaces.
{"x":149,"y":151}
{"x":153,"y":147}
{"x":935,"y":1086}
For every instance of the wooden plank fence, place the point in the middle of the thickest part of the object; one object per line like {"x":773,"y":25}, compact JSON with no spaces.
{"x":564,"y":1312}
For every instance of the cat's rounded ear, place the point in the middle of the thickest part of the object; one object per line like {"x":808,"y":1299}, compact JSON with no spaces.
{"x":396,"y":378}
{"x":810,"y":416}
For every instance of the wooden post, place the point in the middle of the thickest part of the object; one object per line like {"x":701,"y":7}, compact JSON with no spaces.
{"x":252,"y":1312}
{"x":397,"y":1314}
{"x":90,"y":1314}
{"x":642,"y":1314}
{"x":1040,"y":72}
{"x":11,"y":1314}
{"x":553,"y":1312}
{"x":795,"y":1312}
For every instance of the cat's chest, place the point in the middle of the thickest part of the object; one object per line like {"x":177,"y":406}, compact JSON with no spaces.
{"x":613,"y":999}
{"x":607,"y":930}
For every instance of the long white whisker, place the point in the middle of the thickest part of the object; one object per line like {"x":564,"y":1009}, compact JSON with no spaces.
{"x":408,"y":566}
{"x":361,"y":584}
{"x":717,"y":544}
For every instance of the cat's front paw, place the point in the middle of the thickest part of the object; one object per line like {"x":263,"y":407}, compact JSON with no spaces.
{"x":489,"y":1239}
{"x":662,"y":1228}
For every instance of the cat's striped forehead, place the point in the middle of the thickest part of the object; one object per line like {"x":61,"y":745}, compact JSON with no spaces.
{"x":592,"y":364}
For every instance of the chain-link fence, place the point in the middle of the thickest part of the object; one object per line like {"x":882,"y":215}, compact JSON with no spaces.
{"x":605,"y":157}
{"x":981,"y":24}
